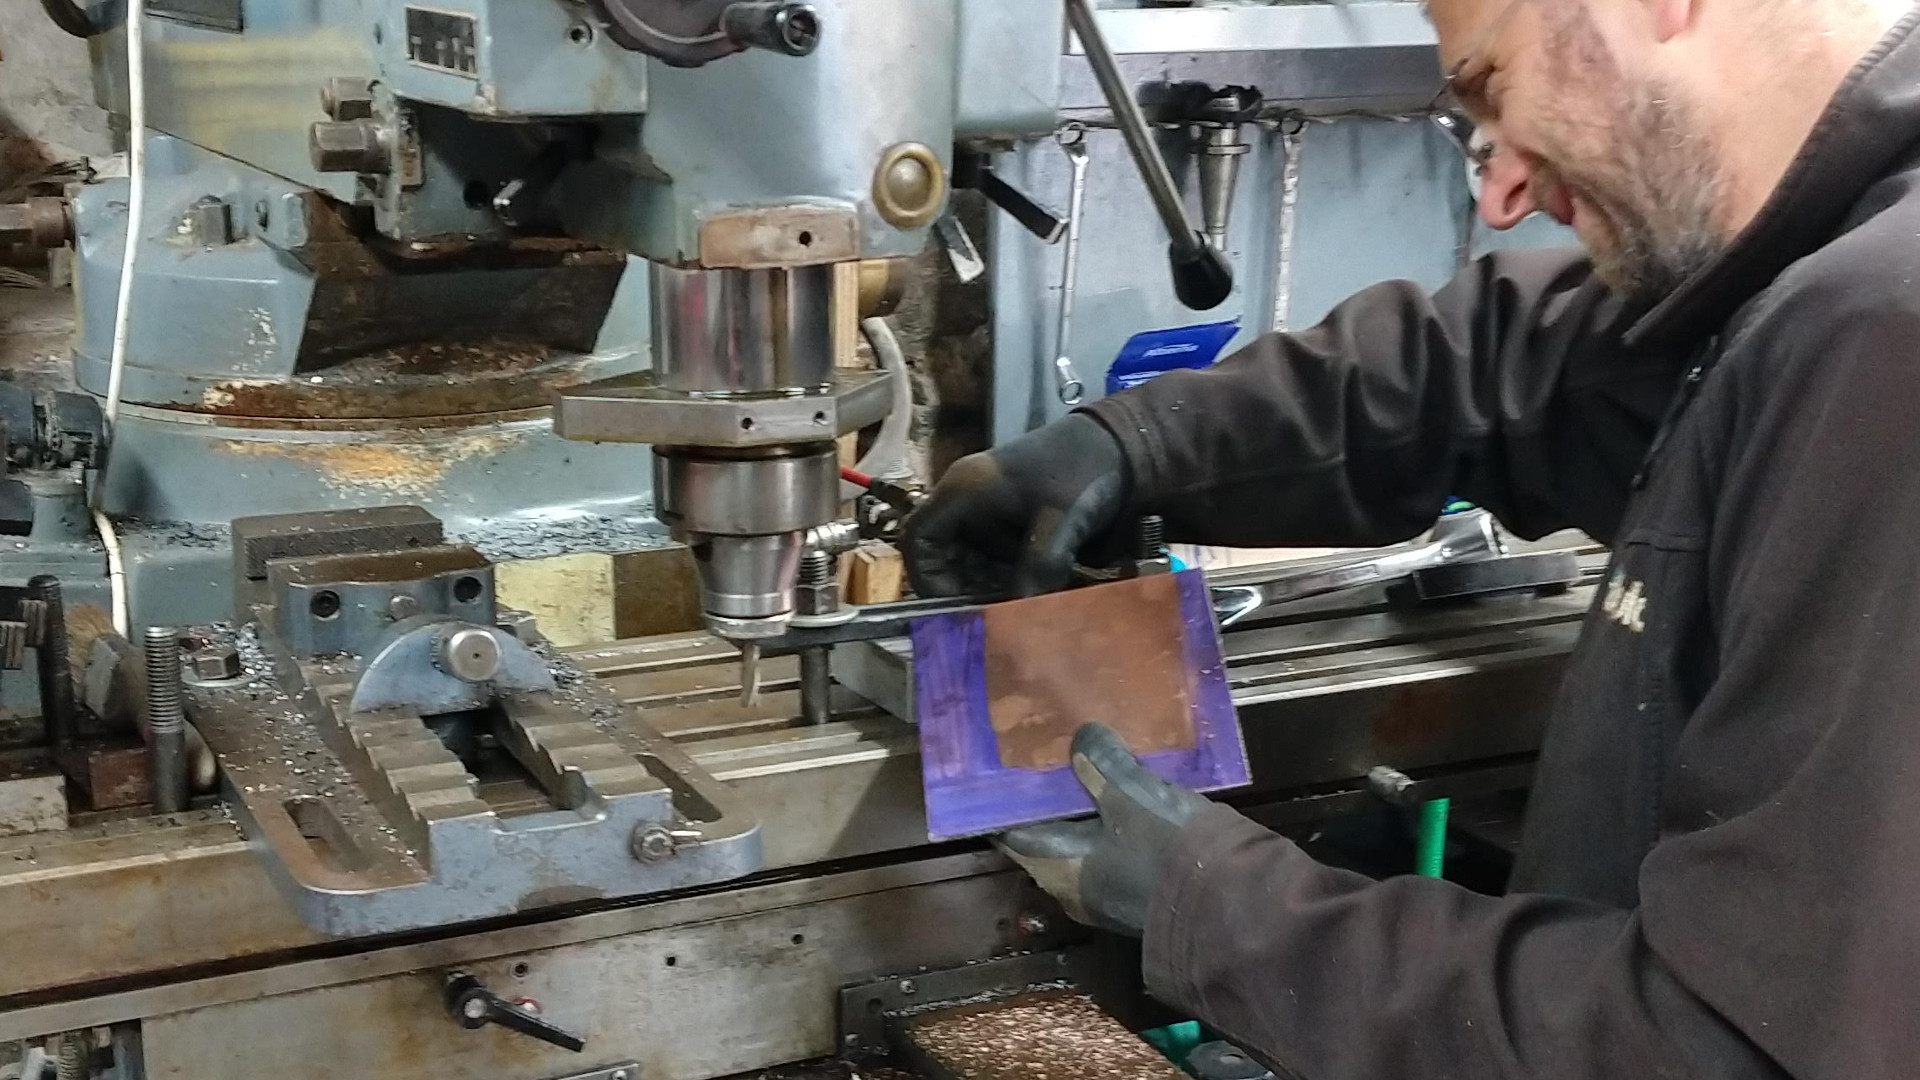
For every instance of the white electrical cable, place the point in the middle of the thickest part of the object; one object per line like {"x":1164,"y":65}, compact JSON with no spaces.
{"x":136,"y":201}
{"x":116,"y":572}
{"x":135,"y":29}
{"x":887,"y":457}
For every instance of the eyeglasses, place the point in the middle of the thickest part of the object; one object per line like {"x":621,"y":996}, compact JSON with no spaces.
{"x":1448,"y":108}
{"x":1478,"y":152}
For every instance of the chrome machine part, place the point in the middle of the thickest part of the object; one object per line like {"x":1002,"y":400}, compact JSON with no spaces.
{"x":746,"y":519}
{"x":1066,"y":380}
{"x":1458,"y":538}
{"x":748,"y":496}
{"x":166,"y":720}
{"x":741,"y":332}
{"x":1220,"y":151}
{"x":819,"y":594}
{"x":1218,"y":120}
{"x":742,"y":407}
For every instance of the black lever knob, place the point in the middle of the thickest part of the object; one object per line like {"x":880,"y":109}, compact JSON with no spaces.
{"x":474,"y":1006}
{"x":1202,"y":277}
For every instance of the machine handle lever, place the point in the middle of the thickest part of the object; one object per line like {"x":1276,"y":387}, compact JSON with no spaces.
{"x":968,"y":266}
{"x":1202,"y":277}
{"x":474,"y":1006}
{"x":970,"y":170}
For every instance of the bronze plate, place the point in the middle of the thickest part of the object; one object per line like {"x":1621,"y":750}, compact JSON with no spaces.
{"x":1108,"y":653}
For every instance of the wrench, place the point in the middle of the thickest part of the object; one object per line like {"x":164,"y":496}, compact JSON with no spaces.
{"x":1066,"y":381}
{"x":1457,"y":538}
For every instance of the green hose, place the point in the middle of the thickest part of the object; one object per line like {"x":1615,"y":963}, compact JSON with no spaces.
{"x":1431,"y":857}
{"x":1176,"y":1041}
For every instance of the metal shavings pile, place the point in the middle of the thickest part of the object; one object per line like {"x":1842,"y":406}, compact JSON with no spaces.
{"x":512,"y":539}
{"x":1055,"y":1035}
{"x":579,"y":690}
{"x":276,"y":752}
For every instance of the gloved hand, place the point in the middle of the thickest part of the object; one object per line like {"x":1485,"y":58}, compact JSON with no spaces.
{"x":1011,"y":520}
{"x":1104,"y":872}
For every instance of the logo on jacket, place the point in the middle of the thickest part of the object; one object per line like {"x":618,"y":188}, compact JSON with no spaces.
{"x":1625,"y":603}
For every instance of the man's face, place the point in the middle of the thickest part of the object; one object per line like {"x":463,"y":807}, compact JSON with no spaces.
{"x":1622,"y":155}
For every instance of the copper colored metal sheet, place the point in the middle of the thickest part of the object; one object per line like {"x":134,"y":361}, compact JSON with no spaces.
{"x":1115,"y":654}
{"x":997,"y":688}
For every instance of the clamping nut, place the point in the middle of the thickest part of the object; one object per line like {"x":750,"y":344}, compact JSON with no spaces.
{"x":652,"y":843}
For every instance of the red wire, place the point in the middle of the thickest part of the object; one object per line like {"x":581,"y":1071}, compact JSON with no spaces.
{"x":857,"y":479}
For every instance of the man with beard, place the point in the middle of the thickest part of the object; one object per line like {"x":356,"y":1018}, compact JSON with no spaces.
{"x":1720,"y":873}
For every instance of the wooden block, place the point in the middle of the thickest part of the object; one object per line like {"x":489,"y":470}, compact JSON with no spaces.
{"x":878,"y":575}
{"x":846,"y":315}
{"x":33,"y":804}
{"x":657,"y":592}
{"x":571,"y":596}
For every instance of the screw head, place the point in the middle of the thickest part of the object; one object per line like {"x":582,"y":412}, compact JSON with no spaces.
{"x":652,"y":843}
{"x":215,"y":663}
{"x":907,"y":987}
{"x":473,"y":1008}
{"x":355,"y":146}
{"x":402,"y":606}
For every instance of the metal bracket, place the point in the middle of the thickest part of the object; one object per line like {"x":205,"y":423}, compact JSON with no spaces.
{"x":422,"y":664}
{"x":619,"y":409}
{"x":405,"y":763}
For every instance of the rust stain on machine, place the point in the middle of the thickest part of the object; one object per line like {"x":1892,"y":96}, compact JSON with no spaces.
{"x":399,"y":467}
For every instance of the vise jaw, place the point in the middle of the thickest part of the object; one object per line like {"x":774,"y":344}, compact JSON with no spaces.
{"x":402,"y":756}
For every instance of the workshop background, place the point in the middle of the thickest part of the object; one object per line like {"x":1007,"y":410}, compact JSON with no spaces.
{"x":330,"y":868}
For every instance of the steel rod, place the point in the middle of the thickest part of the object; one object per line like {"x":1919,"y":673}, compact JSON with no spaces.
{"x":166,"y":720}
{"x":1187,"y":241}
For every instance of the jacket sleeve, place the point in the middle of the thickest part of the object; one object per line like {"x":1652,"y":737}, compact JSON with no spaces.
{"x":1328,"y":975}
{"x":1509,"y":387}
{"x":1774,"y":933}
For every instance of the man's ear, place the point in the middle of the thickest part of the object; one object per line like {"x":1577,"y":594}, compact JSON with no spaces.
{"x":1671,"y":18}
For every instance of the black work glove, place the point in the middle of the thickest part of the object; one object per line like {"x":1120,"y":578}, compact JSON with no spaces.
{"x":1104,"y":872}
{"x":1011,"y":520}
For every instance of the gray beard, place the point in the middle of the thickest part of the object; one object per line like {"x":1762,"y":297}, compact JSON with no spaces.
{"x":1662,"y":206}
{"x":1659,"y":185}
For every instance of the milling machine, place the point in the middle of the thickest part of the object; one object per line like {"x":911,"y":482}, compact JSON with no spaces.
{"x":417,"y":289}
